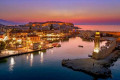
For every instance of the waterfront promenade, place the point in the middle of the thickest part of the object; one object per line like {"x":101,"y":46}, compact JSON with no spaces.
{"x":9,"y":53}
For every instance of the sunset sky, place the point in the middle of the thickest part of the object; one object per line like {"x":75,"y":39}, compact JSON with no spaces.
{"x":76,"y":11}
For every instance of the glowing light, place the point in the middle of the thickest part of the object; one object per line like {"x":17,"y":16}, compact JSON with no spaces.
{"x":1,"y":39}
{"x":14,"y":38}
{"x":49,"y":35}
{"x":97,"y":33}
{"x":60,"y":42}
{"x":19,"y":41}
{"x":97,"y":42}
{"x":31,"y":44}
{"x":31,"y":60}
{"x":41,"y":57}
{"x":5,"y":38}
{"x":41,"y":42}
{"x":51,"y":51}
{"x":96,"y":50}
{"x":12,"y":63}
{"x":27,"y":58}
{"x":40,"y":46}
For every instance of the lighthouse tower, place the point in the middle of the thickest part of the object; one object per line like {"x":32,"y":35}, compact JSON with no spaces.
{"x":97,"y":42}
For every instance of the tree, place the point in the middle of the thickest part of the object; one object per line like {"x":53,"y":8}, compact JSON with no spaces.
{"x":2,"y":45}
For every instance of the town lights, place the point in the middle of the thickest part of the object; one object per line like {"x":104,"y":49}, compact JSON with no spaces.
{"x":0,"y":39}
{"x":31,"y":44}
{"x":40,"y":46}
{"x":5,"y":38}
{"x":41,"y":43}
{"x":14,"y":38}
{"x":49,"y":35}
{"x":97,"y":33}
{"x":19,"y":41}
{"x":96,"y":50}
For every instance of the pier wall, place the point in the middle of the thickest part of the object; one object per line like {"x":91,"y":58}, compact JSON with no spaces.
{"x":105,"y":51}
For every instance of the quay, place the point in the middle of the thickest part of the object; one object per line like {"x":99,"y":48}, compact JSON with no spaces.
{"x":2,"y":56}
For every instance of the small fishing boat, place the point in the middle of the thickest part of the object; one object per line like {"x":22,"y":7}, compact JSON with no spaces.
{"x":80,"y":46}
{"x":89,"y":55}
{"x":56,"y":45}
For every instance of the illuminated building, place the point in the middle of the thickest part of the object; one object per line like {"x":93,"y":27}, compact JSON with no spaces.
{"x":34,"y":38}
{"x":2,"y":37}
{"x":97,"y":42}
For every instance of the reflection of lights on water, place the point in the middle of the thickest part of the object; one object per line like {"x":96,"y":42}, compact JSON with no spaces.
{"x":51,"y":51}
{"x":27,"y":58}
{"x":12,"y":63}
{"x":41,"y":57}
{"x":60,"y":42}
{"x":31,"y":59}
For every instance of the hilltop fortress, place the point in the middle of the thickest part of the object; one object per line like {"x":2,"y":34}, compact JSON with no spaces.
{"x":56,"y":25}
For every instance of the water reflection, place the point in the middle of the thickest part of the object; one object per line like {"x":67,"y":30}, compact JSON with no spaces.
{"x":69,"y":49}
{"x":31,"y":60}
{"x":12,"y":63}
{"x":27,"y":58}
{"x":60,"y":42}
{"x":41,"y":56}
{"x":51,"y":51}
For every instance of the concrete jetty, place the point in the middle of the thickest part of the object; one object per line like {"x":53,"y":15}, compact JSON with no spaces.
{"x":98,"y":68}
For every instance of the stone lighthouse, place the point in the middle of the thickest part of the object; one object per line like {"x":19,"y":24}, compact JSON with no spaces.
{"x":97,"y":42}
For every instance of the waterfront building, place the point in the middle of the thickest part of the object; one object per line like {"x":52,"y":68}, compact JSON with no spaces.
{"x":34,"y":38}
{"x":2,"y":35}
{"x":97,"y":42}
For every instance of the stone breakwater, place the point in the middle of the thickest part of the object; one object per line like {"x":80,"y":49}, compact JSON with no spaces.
{"x":105,"y":50}
{"x":96,"y":68}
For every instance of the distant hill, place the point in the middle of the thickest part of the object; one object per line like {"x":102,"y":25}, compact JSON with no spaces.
{"x":5,"y":22}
